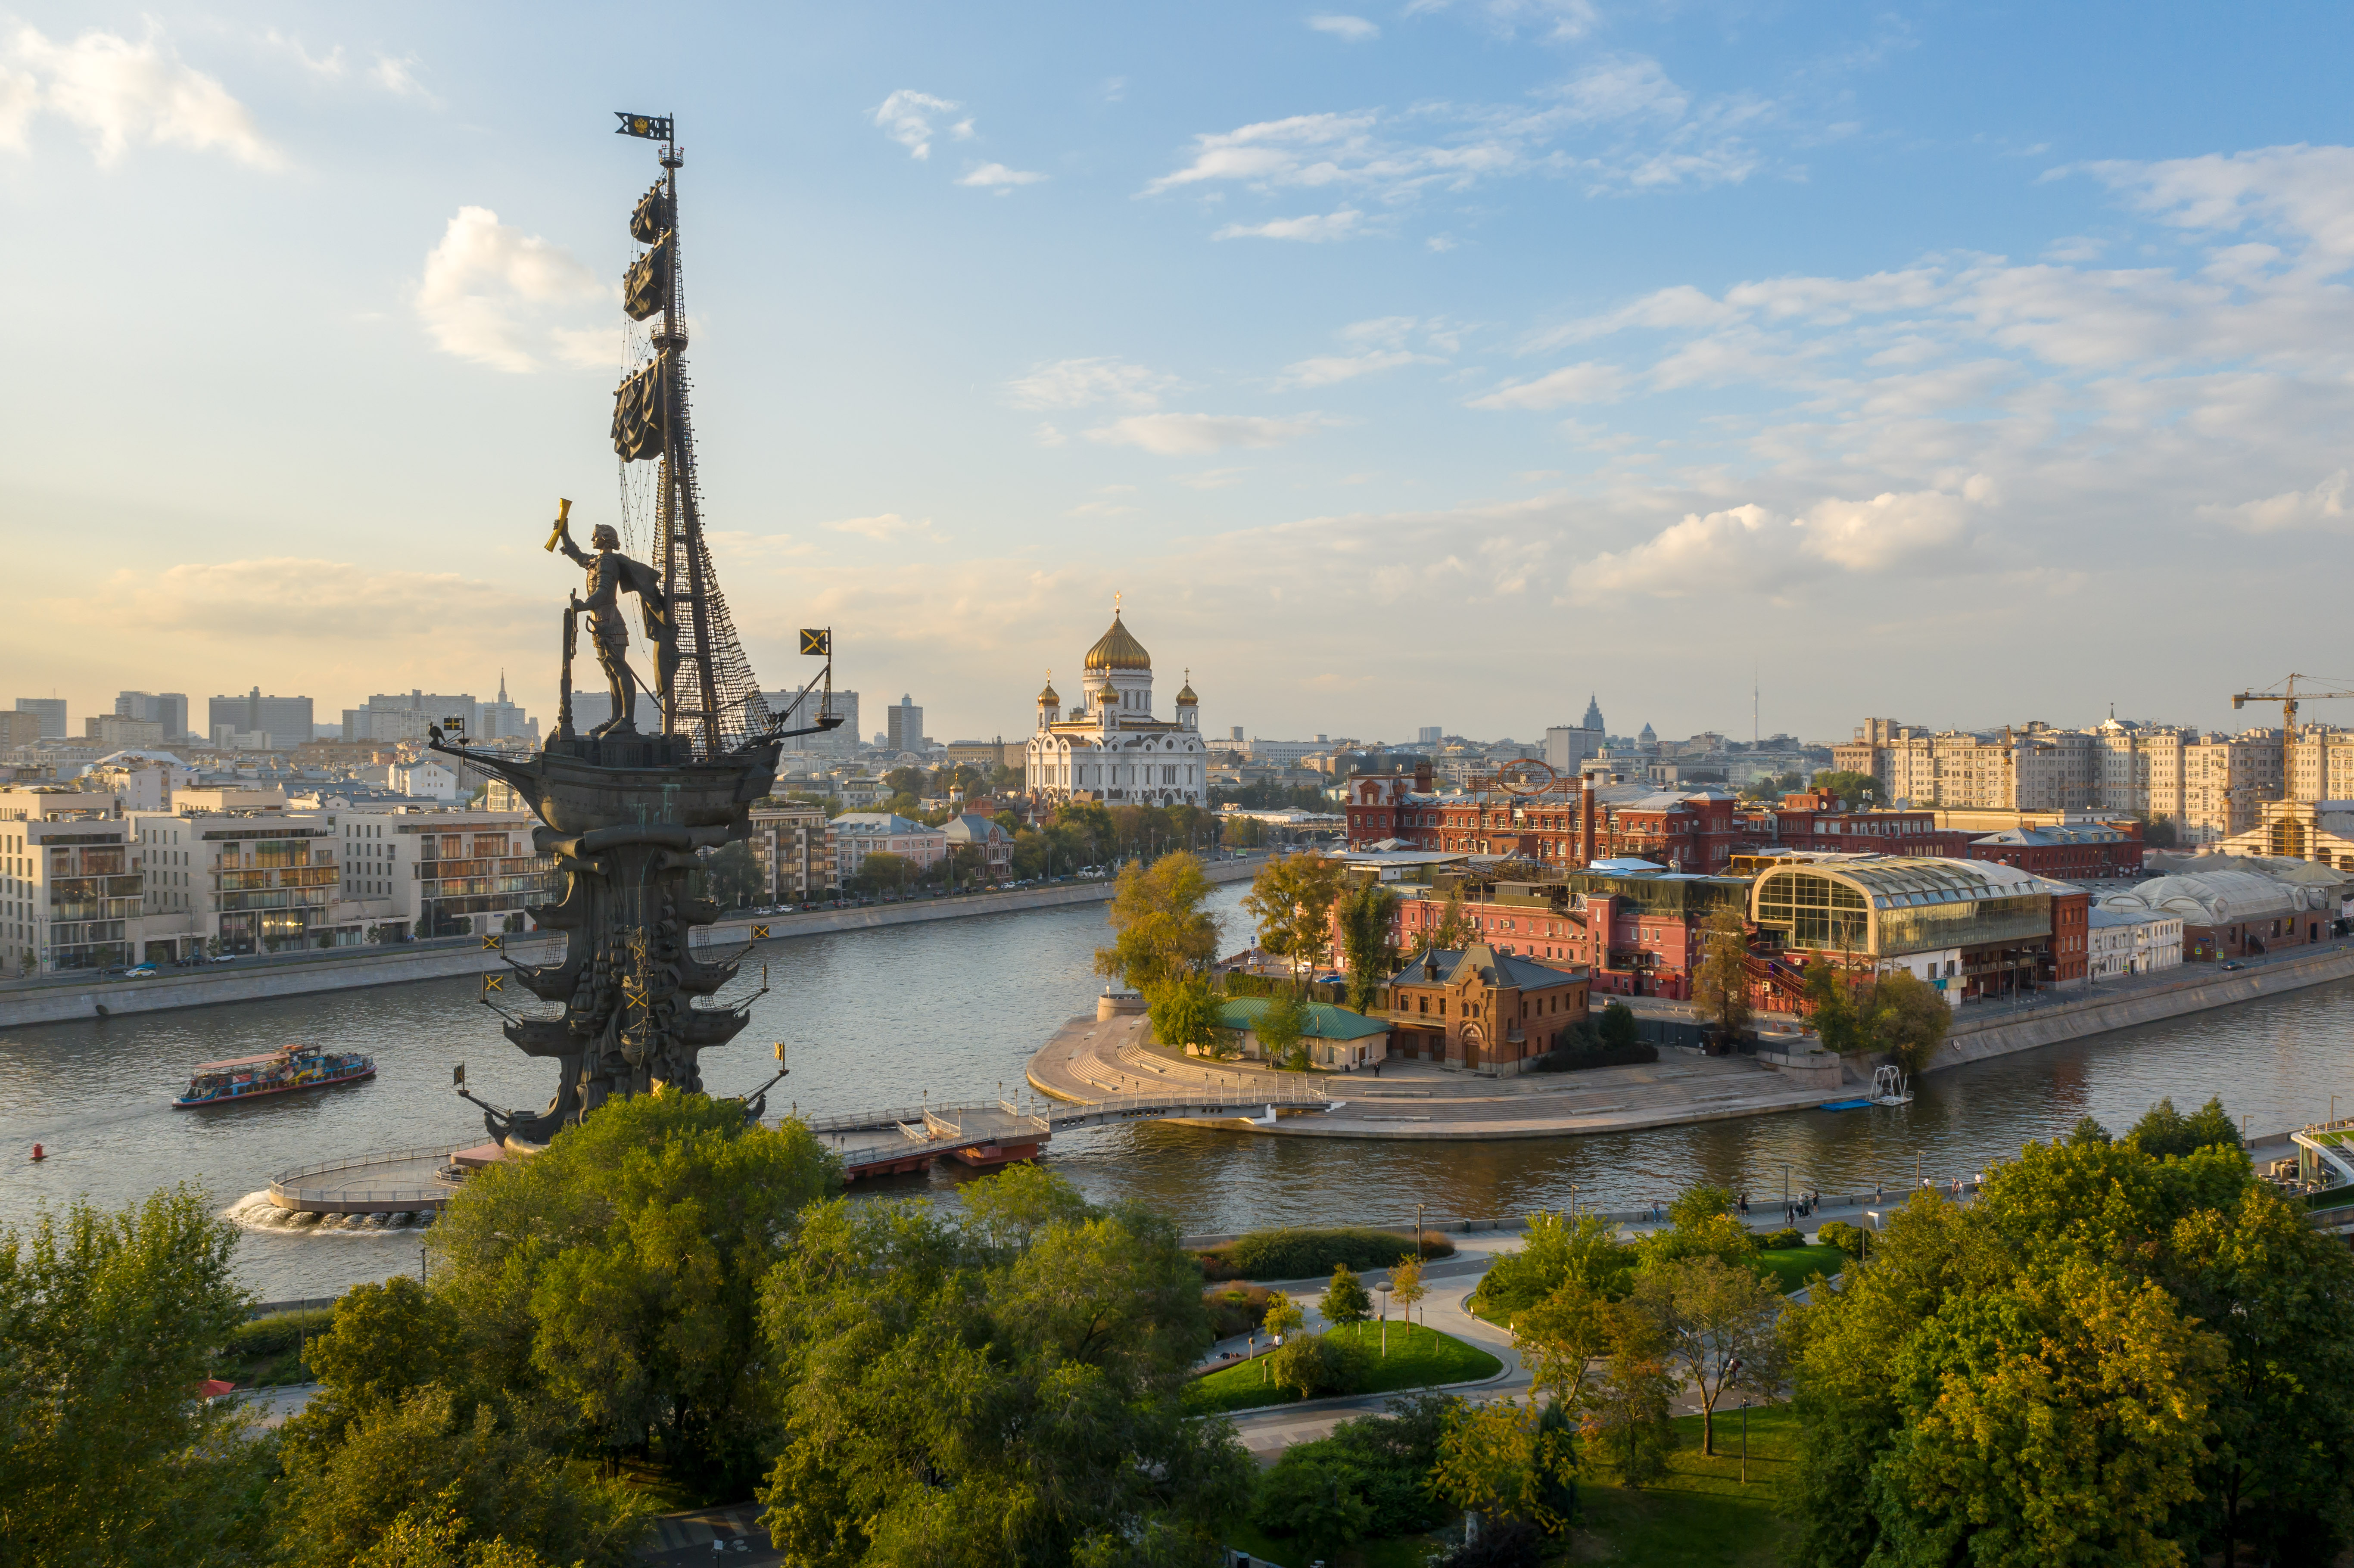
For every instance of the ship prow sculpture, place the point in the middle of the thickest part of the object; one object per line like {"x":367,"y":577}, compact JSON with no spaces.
{"x":625,"y":814}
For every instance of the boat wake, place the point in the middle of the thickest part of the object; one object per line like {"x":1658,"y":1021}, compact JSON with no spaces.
{"x":256,"y":1213}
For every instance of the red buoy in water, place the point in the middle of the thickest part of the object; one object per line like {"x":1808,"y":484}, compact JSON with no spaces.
{"x":37,"y":1152}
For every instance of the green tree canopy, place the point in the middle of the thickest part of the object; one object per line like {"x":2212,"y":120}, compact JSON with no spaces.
{"x":1160,"y":930}
{"x":1345,"y":1299}
{"x":980,"y":1395}
{"x":616,"y":1273}
{"x":1291,"y":899}
{"x":1720,"y":983}
{"x":107,"y":1321}
{"x":1368,"y":918}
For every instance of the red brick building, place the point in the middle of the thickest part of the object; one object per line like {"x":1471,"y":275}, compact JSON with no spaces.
{"x":1482,"y":1009}
{"x":2076,"y":852}
{"x":2071,"y":954}
{"x":1568,"y":825}
{"x":1635,"y":934}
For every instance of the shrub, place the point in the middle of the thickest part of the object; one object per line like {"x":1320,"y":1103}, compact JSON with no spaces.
{"x":1786,"y":1238}
{"x":1848,"y":1238}
{"x":1558,"y":1248}
{"x":1618,"y":1030}
{"x":1236,"y":1309}
{"x":1312,"y":1253}
{"x":1313,"y":1500}
{"x":1345,"y":1299}
{"x":1316,"y":1365}
{"x":277,"y":1334}
{"x":1380,"y":1461}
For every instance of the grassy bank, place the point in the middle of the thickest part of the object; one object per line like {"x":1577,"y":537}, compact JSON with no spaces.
{"x":1699,"y":1515}
{"x":1789,"y":1267}
{"x":1419,"y":1358}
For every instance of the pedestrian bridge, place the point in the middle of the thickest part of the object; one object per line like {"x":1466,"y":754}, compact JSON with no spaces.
{"x":913,"y":1138}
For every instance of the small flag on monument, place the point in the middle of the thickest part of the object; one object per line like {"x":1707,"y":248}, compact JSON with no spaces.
{"x":651,"y":127}
{"x":816,"y":643}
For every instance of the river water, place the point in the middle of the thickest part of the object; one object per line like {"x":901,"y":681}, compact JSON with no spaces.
{"x":955,"y":1008}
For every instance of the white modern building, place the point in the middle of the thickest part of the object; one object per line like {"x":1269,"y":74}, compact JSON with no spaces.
{"x":2123,"y":942}
{"x":1108,"y":746}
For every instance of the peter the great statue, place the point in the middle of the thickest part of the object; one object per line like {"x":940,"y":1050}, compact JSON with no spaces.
{"x":611,"y":574}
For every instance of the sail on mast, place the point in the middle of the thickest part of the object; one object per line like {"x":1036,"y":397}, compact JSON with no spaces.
{"x":706,"y":685}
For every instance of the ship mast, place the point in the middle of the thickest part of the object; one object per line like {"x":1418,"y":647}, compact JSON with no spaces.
{"x":707,"y":689}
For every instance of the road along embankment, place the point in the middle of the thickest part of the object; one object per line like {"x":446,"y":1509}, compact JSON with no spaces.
{"x":53,"y":1000}
{"x":2096,"y":1010}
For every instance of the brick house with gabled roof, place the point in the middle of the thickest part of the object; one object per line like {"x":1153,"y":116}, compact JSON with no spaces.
{"x":1482,"y":1009}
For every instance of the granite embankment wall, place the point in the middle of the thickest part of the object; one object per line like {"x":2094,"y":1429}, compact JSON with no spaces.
{"x":2096,"y":1010}
{"x":55,"y":1000}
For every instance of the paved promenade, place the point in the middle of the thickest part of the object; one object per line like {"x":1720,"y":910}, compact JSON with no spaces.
{"x":1086,"y":1061}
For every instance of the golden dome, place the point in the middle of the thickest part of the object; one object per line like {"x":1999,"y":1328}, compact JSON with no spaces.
{"x":1048,"y":698}
{"x":1186,"y":697}
{"x":1116,"y":649}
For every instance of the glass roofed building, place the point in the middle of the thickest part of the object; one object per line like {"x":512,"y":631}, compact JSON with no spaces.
{"x":1969,"y":927}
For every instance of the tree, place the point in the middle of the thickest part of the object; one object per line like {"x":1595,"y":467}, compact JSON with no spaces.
{"x":1405,"y":1285}
{"x":1453,"y":933}
{"x":2163,"y":1130}
{"x":107,"y":1323}
{"x":1345,"y":1299}
{"x":387,"y":1341}
{"x":1283,"y":1315}
{"x":1368,"y":915}
{"x":1185,"y":1011}
{"x":1314,"y":1365}
{"x":885,"y":872}
{"x":1499,"y":1461}
{"x":1618,"y":1028}
{"x":1160,"y":932}
{"x":1558,"y":1250}
{"x":1831,"y":1008}
{"x":425,"y":1462}
{"x":1851,"y":788}
{"x":1561,"y":1337}
{"x":1720,"y":983}
{"x":970,"y":1396}
{"x":616,"y":1275}
{"x":1242,"y":833}
{"x":1908,"y":1019}
{"x":1291,"y":899}
{"x":1714,"y":1319}
{"x":1282,"y":1029}
{"x":1701,"y":1224}
{"x":1623,"y":1414}
{"x":1314,"y":1502}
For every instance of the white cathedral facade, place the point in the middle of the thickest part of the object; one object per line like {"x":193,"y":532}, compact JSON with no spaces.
{"x":1109,"y":747}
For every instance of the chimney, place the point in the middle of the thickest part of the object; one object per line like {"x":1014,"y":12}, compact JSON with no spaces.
{"x":1422,"y":777}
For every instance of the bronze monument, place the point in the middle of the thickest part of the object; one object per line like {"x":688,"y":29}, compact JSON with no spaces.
{"x":625,"y":814}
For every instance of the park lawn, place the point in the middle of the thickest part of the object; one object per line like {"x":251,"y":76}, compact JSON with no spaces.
{"x":1790,"y":1267}
{"x":1698,"y":1515}
{"x":1419,"y":1358}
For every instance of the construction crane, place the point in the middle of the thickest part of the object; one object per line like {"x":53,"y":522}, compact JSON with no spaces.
{"x":2288,"y":697}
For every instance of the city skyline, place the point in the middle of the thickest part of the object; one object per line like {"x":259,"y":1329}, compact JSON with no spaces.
{"x":1362,"y":351}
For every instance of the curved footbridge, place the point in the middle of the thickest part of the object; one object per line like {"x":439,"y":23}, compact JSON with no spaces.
{"x":894,"y":1142}
{"x":396,"y":1181}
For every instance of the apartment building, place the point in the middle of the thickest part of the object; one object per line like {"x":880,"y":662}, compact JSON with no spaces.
{"x":70,"y":894}
{"x":793,"y":847}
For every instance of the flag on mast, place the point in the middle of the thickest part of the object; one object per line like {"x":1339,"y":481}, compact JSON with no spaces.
{"x":654,"y":128}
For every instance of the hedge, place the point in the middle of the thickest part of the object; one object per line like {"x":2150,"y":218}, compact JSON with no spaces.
{"x":1311,"y":1253}
{"x":278,"y":1333}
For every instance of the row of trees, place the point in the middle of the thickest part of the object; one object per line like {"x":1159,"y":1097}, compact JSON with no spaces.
{"x":665,"y":1288}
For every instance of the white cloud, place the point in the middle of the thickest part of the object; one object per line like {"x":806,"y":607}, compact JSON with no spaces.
{"x":1711,"y":554}
{"x":906,"y":118}
{"x":489,"y":292}
{"x":1872,"y":535}
{"x":1079,"y":383}
{"x":888,"y":527}
{"x":1353,"y":29}
{"x":1555,"y":21}
{"x":1619,"y":123}
{"x":329,"y":65}
{"x":120,"y":94}
{"x":1315,"y":228}
{"x":2322,"y":506}
{"x":1213,"y":478}
{"x":1193,"y":435}
{"x":999,"y":178}
{"x":1587,"y":383}
{"x":1326,"y":371}
{"x":395,"y":76}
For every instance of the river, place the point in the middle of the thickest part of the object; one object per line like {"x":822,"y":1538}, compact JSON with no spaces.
{"x":955,"y":1008}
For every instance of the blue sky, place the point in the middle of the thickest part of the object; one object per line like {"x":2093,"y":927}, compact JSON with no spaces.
{"x":1401,"y":365}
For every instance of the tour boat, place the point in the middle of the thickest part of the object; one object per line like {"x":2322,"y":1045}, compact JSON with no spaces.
{"x":274,"y":1073}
